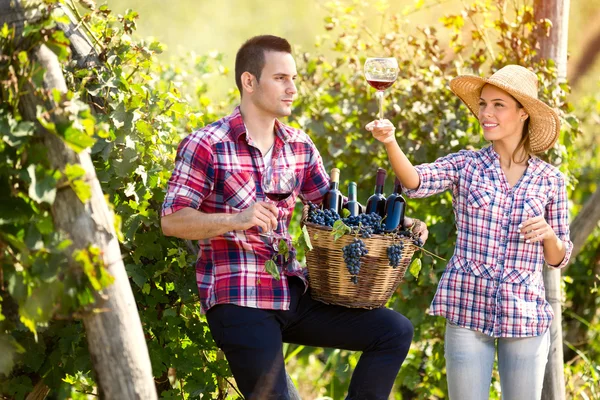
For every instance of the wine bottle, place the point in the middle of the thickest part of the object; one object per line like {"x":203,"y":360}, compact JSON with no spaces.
{"x":333,"y":198}
{"x":395,"y":207}
{"x":376,"y":203}
{"x":352,"y":205}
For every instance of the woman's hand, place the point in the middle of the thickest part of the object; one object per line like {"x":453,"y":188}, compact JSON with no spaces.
{"x":536,"y":229}
{"x":384,"y":131}
{"x":420,"y":229}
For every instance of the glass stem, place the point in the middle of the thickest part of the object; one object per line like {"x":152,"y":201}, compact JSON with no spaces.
{"x":379,"y":95}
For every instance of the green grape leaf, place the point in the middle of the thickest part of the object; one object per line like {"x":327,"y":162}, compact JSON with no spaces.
{"x":82,"y":189}
{"x":74,"y":171}
{"x":339,"y":229}
{"x":304,"y":240}
{"x":345,"y":213}
{"x":283,"y":249}
{"x":272,"y":269}
{"x":43,"y":190}
{"x":415,"y":267}
{"x":77,"y":139}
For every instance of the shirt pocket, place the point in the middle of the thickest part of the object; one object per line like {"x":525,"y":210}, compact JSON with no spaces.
{"x":239,"y":190}
{"x":479,"y":198}
{"x":522,"y":276}
{"x":465,"y":266}
{"x":534,"y":206}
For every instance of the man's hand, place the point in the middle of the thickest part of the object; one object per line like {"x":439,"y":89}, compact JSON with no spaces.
{"x":261,"y":214}
{"x":420,"y":229}
{"x":384,"y":131}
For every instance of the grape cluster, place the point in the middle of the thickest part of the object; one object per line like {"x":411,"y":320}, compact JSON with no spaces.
{"x":321,"y":217}
{"x":394,"y":253}
{"x":365,"y":224}
{"x":352,"y":254}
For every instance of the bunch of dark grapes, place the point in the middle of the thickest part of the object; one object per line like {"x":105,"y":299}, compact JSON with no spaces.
{"x":394,"y":253}
{"x":352,"y":254}
{"x":321,"y":217}
{"x":366,"y":231}
{"x":416,"y":240}
{"x":366,"y":224}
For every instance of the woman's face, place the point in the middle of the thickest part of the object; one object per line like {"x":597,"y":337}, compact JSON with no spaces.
{"x":500,"y":116}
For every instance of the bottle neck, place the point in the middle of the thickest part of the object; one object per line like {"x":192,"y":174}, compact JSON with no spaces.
{"x":398,"y":189}
{"x":334,"y":185}
{"x":352,"y":193}
{"x":379,"y":181}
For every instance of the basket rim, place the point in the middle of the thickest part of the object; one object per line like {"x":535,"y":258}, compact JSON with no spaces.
{"x":386,"y":236}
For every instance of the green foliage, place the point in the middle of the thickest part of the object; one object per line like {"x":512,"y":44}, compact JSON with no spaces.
{"x":133,"y":109}
{"x":44,"y":279}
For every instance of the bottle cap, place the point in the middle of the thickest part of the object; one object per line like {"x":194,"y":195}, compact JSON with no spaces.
{"x":381,"y":173}
{"x":335,"y":175}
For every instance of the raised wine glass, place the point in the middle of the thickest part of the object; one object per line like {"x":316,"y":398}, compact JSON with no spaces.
{"x":381,"y":73}
{"x":278,"y":183}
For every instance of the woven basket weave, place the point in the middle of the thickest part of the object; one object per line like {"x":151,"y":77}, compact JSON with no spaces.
{"x":329,"y":277}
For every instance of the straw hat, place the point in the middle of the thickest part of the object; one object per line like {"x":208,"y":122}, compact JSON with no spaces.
{"x":522,"y":84}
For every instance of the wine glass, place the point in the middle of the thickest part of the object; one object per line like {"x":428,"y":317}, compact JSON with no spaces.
{"x":278,"y":183}
{"x":381,"y":73}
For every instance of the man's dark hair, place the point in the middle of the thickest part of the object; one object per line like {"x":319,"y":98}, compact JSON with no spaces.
{"x":251,"y":56}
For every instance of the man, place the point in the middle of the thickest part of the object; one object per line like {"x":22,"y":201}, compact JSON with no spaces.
{"x":215,"y":197}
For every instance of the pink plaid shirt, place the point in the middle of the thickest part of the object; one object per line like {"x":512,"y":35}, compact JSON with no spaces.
{"x":218,"y":170}
{"x":493,"y":282}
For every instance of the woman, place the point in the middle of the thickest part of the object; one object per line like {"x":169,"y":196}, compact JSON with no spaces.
{"x":511,"y":216}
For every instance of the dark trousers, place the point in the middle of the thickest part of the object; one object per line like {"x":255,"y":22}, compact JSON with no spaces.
{"x":252,"y":342}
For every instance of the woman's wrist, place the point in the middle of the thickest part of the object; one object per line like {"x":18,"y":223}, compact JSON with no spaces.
{"x":553,"y":240}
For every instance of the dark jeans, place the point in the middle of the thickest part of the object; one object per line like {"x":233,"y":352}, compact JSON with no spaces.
{"x":252,"y":342}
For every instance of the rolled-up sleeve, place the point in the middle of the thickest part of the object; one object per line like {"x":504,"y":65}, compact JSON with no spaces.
{"x":438,"y":176}
{"x":193,"y":176}
{"x":316,"y":180}
{"x":557,"y":216}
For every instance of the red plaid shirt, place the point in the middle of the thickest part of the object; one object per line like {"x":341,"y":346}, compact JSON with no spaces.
{"x":494,"y":283}
{"x":218,"y":170}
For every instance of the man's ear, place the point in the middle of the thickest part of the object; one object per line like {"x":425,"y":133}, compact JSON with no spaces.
{"x":248,"y":82}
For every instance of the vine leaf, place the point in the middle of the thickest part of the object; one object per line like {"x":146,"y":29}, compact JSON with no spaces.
{"x":339,"y":229}
{"x":272,"y":269}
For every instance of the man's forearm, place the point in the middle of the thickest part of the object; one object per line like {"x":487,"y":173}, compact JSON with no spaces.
{"x":191,"y":224}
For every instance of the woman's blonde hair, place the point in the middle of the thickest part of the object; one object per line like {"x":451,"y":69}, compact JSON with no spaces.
{"x":524,"y":145}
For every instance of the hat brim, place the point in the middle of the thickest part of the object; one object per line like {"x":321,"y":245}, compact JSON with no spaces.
{"x":544,"y":124}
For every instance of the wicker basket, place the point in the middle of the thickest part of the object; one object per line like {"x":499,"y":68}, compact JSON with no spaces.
{"x":330,"y":280}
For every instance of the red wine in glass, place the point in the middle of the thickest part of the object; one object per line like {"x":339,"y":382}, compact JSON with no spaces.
{"x":380,"y":85}
{"x":278,"y":183}
{"x":381,"y":73}
{"x":278,"y":196}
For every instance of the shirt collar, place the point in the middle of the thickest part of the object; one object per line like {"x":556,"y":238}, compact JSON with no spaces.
{"x":238,"y":128}
{"x":491,"y":157}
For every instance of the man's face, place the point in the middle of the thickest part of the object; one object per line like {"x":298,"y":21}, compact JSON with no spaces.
{"x":276,"y":90}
